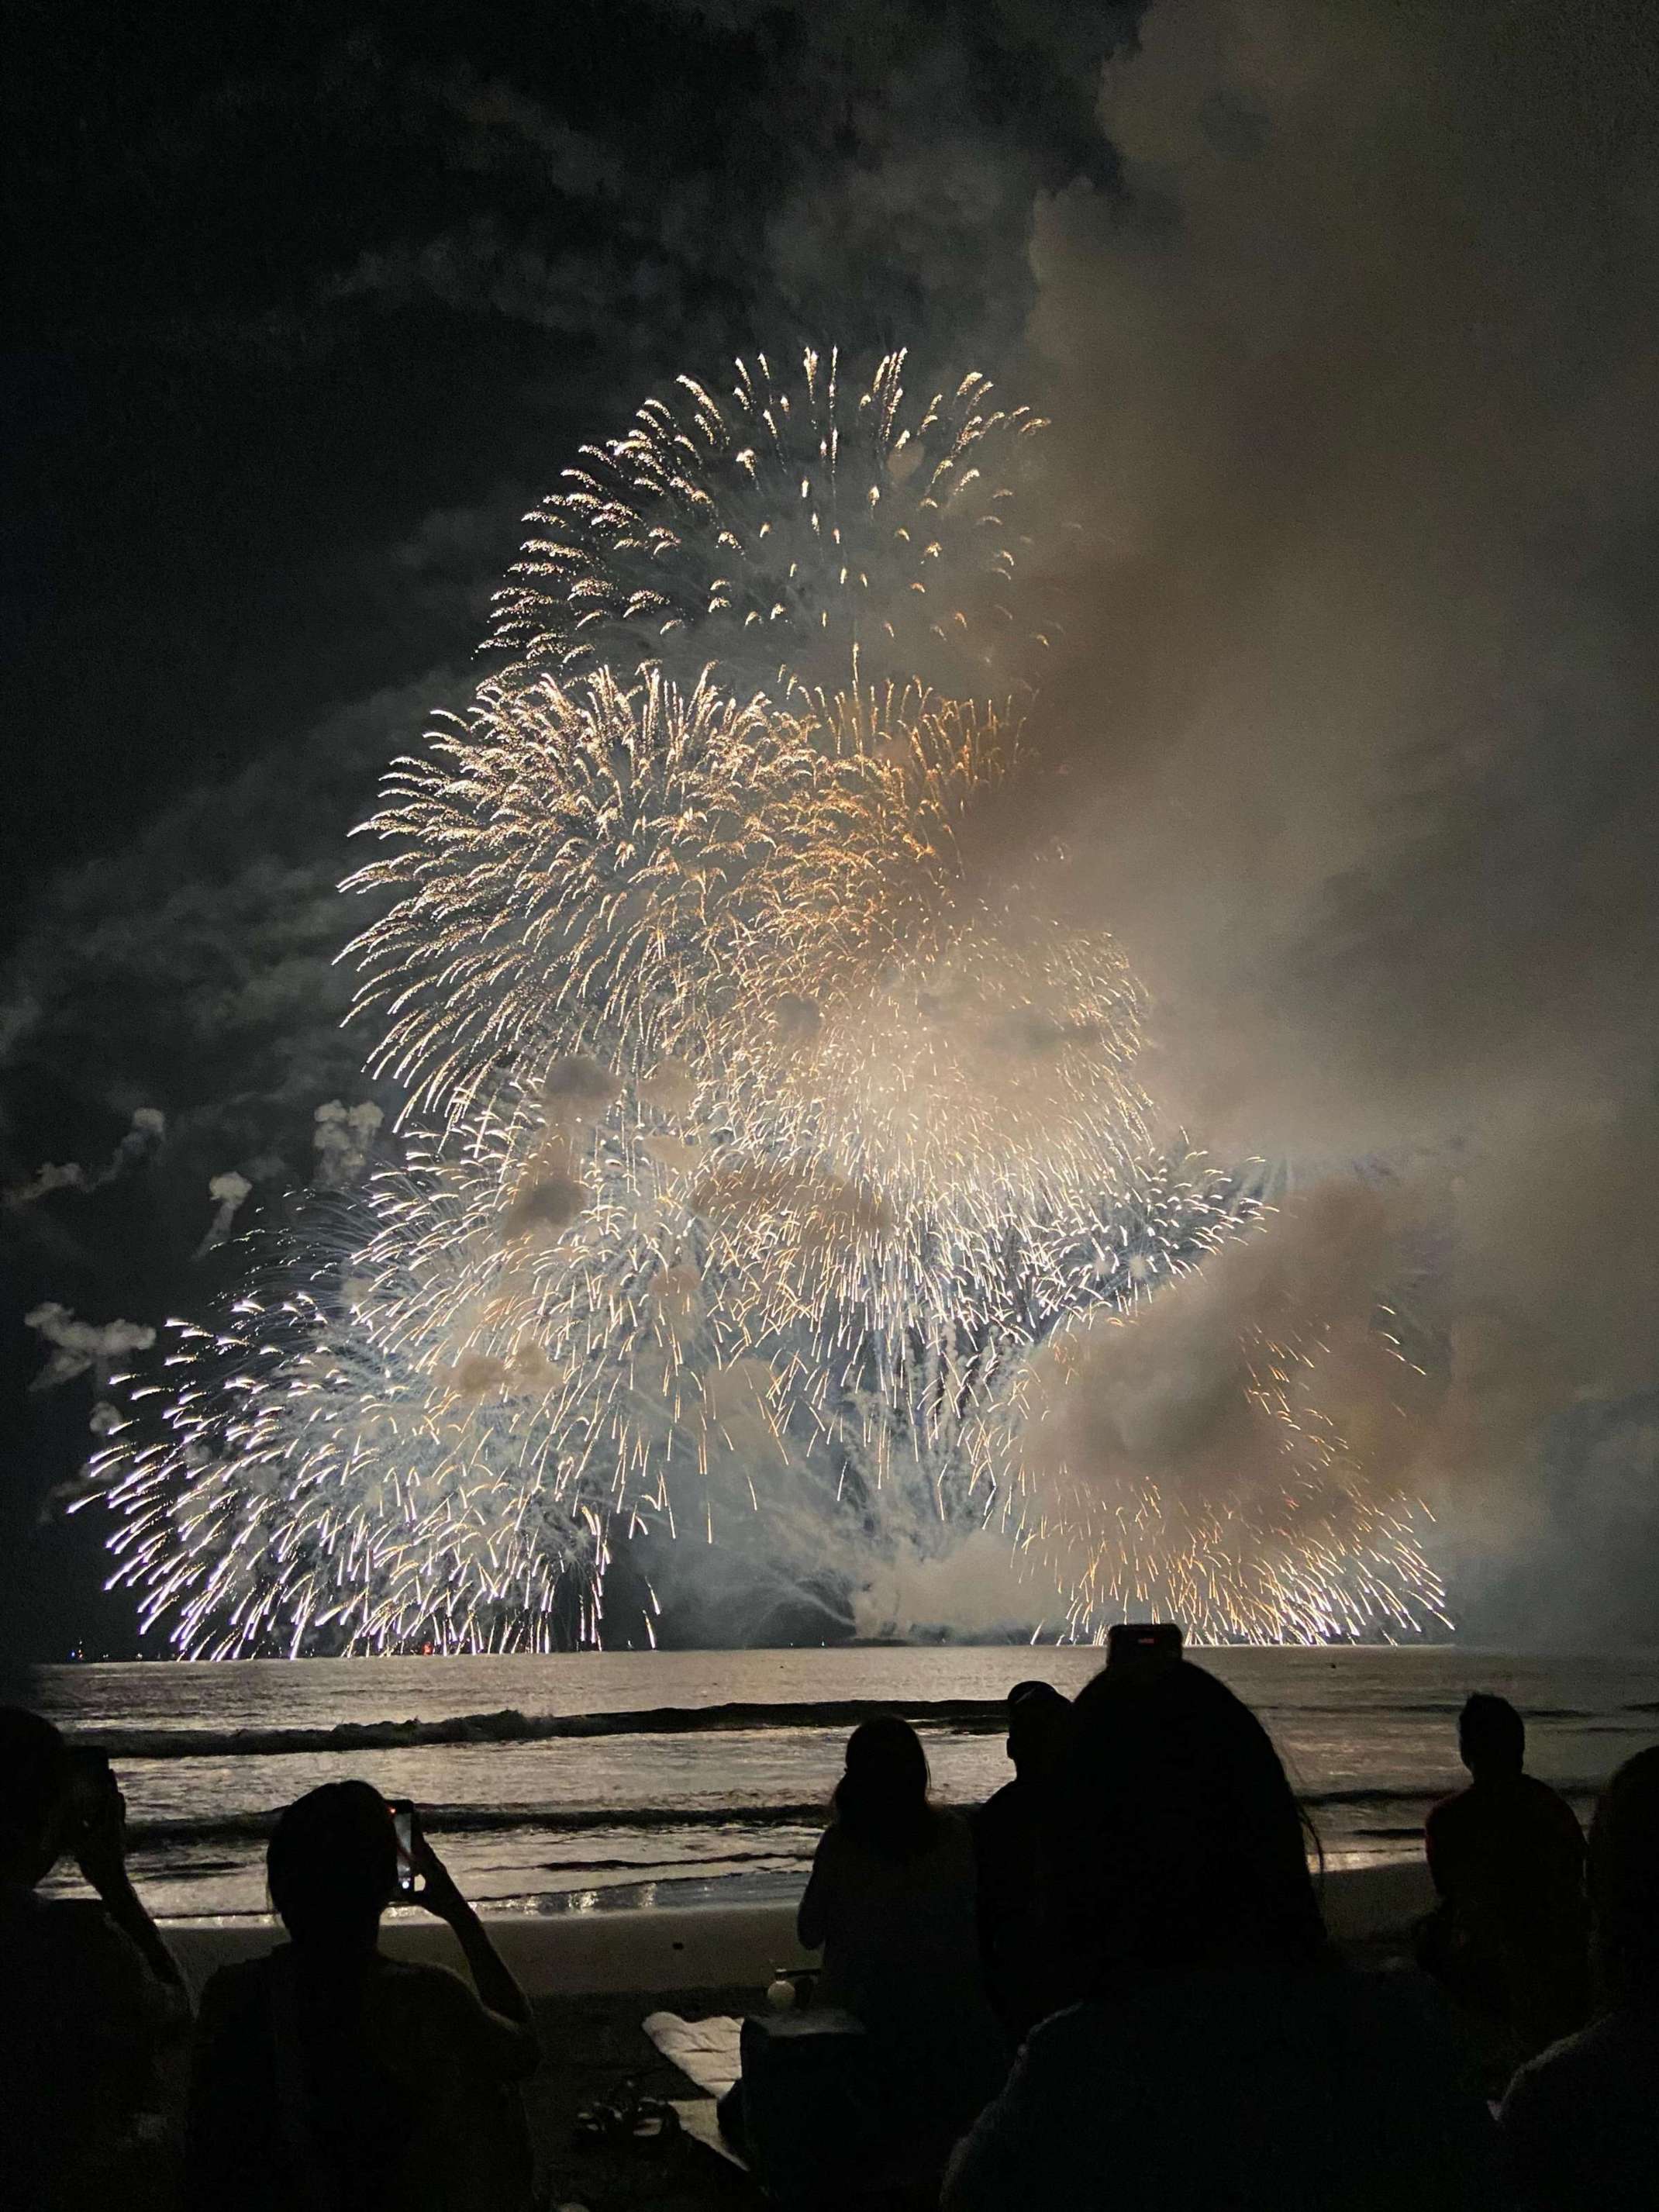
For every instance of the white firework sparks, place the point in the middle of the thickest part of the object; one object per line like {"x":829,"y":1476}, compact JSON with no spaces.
{"x":777,"y":1147}
{"x":786,"y":522}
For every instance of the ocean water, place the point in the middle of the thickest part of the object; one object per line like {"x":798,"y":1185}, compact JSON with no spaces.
{"x":593,"y":1780}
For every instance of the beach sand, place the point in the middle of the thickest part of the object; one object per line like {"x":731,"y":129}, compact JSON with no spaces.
{"x":593,"y":1977}
{"x":591,"y":2045}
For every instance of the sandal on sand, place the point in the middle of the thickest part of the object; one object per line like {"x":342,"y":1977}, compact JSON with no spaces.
{"x":596,"y":2125}
{"x":644,"y":2123}
{"x":632,"y":2122}
{"x":654,"y":2124}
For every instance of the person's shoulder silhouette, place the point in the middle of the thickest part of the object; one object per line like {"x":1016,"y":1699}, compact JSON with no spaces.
{"x":891,"y":1899}
{"x":1581,"y":2121}
{"x":1507,"y":1859}
{"x":1018,"y":1970}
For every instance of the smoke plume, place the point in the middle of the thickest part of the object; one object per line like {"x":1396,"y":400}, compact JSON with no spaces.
{"x":342,"y":1140}
{"x":79,"y":1346}
{"x":1349,"y":728}
{"x":149,"y":1128}
{"x":230,"y":1190}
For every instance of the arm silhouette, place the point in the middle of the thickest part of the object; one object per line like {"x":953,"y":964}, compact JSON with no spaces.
{"x":509,"y":2026}
{"x":812,"y":1920}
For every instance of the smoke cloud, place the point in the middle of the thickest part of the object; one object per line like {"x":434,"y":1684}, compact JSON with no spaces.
{"x":230,"y":1190}
{"x":149,"y":1128}
{"x":1348,"y":728}
{"x":342,"y":1140}
{"x":979,"y":1588}
{"x":79,"y":1346}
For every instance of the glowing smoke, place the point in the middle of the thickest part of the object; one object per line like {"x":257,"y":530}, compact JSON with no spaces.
{"x":1368,"y":805}
{"x":342,"y":1140}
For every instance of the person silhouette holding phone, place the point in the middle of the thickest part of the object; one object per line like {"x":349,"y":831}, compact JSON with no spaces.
{"x":91,"y":1993}
{"x":329,"y":2073}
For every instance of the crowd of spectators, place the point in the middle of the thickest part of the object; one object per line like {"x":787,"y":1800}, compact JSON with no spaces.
{"x":1112,"y":1983}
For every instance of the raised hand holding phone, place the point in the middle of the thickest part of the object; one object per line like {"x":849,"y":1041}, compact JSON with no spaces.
{"x":431,"y":1883}
{"x":97,"y":1834}
{"x":438,"y":1892}
{"x":99,"y":1812}
{"x":403,"y":1827}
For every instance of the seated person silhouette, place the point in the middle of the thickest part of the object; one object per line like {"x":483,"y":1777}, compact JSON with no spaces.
{"x":327,"y":2074}
{"x":1018,"y":1972}
{"x":91,"y":1992}
{"x":1507,"y":1858}
{"x":1582,"y":2123}
{"x":1221,"y":2057}
{"x":891,"y":1901}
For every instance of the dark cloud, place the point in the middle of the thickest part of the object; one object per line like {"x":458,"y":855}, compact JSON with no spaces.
{"x":197,"y":970}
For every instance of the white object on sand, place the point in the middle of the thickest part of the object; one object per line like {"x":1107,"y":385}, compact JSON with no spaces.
{"x":707,"y":2051}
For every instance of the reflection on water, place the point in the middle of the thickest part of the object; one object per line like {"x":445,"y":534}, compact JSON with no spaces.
{"x":675,"y":1813}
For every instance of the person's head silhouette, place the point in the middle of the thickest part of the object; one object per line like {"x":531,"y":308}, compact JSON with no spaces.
{"x":35,"y":1811}
{"x":1624,"y":1883}
{"x":1173,"y":1836}
{"x":1037,"y":1715}
{"x":881,"y":1798}
{"x":1492,"y":1737}
{"x":333,"y":1867}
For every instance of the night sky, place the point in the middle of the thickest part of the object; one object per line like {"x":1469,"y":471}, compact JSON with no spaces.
{"x":306,"y":306}
{"x":306,"y":309}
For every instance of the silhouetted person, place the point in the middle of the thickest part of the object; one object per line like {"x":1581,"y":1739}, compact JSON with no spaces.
{"x":1582,"y":2122}
{"x":1222,"y":2056}
{"x":891,"y":1901}
{"x":1507,"y":1858}
{"x":88,"y":1992}
{"x":327,"y":2074}
{"x":1018,"y":1971}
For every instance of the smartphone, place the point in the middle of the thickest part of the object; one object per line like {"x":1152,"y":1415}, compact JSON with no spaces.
{"x":403,"y":1827}
{"x":1143,"y":1644}
{"x":90,"y":1777}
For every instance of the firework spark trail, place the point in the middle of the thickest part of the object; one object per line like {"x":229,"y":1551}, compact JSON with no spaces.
{"x":1229,"y":1452}
{"x":880,"y":1070}
{"x":805,"y":520}
{"x":775,"y":1152}
{"x":432,"y":1443}
{"x":608,"y":866}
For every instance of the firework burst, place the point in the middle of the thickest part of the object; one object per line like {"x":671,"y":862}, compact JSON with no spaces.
{"x":1234,"y":1451}
{"x":788,"y":522}
{"x":781,"y":1147}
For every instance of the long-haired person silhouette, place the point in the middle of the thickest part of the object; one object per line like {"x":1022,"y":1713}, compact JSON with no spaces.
{"x":1218,"y":2054}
